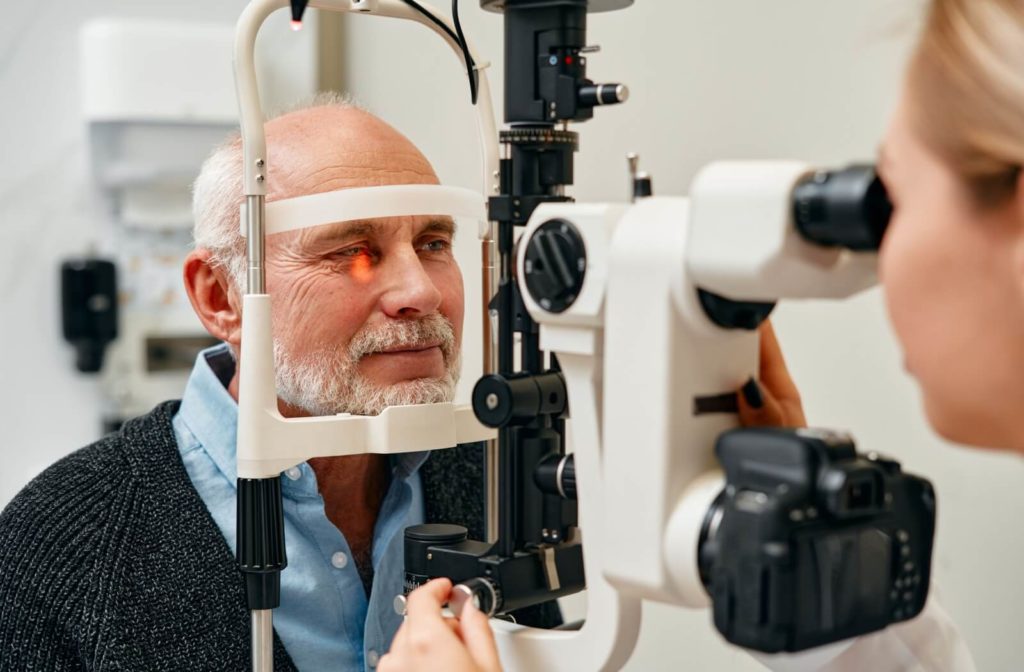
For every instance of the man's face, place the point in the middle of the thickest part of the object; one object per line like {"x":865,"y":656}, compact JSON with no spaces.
{"x":367,"y":314}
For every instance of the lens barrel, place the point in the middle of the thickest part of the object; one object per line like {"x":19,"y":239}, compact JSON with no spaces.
{"x":843,"y":208}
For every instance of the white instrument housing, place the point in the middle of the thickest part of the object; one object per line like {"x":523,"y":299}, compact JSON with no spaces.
{"x":735,"y":237}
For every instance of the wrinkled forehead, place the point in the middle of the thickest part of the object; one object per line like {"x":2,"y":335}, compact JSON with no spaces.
{"x":371,"y":210}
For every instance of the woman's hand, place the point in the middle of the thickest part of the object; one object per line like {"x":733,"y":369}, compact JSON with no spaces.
{"x":775,"y":402}
{"x":429,"y":641}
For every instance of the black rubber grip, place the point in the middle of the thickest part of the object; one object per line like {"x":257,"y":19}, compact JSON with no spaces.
{"x":261,"y":553}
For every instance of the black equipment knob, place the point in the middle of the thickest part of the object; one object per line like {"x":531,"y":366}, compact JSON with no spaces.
{"x":555,"y":265}
{"x":729,"y":314}
{"x":643,"y":186}
{"x":484,"y":594}
{"x":846,"y":208}
{"x":420,"y":538}
{"x":603,"y":94}
{"x":500,"y":401}
{"x":556,"y":475}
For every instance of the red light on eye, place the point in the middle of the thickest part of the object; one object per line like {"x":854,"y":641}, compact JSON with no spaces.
{"x":568,"y":60}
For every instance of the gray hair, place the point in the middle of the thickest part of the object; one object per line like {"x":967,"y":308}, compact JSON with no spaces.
{"x":217,"y":196}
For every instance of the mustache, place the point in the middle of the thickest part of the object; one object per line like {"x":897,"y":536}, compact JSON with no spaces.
{"x":432,"y":329}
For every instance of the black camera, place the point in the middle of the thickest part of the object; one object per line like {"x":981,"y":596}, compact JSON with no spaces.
{"x":810,"y":542}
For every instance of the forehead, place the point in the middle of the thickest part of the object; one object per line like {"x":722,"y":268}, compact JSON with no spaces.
{"x":329,"y":148}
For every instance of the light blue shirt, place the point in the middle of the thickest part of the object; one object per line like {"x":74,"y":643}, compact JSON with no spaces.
{"x":325,"y":620}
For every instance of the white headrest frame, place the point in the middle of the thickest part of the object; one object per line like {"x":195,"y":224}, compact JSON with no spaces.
{"x":344,"y":205}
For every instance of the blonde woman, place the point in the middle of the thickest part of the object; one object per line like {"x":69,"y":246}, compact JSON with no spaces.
{"x":952,"y":265}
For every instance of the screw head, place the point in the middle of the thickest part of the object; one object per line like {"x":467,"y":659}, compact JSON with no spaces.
{"x":399,"y":605}
{"x":491,"y":401}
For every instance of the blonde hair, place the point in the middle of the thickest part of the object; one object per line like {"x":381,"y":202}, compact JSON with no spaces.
{"x":966,"y":92}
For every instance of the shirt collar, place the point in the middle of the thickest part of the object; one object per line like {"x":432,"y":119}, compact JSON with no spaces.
{"x":211,"y":414}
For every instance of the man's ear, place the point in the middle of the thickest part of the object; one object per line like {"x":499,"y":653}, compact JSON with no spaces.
{"x":213,"y":298}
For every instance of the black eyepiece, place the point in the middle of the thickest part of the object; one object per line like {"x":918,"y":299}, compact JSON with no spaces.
{"x":844,"y":208}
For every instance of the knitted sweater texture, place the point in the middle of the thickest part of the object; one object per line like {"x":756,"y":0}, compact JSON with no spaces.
{"x":109,"y":560}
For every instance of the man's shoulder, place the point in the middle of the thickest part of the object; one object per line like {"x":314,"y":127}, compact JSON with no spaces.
{"x":110,"y":559}
{"x":78,"y":489}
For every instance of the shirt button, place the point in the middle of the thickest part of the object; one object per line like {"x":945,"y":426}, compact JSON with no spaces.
{"x":294,"y":473}
{"x":372,"y":658}
{"x":339,"y":560}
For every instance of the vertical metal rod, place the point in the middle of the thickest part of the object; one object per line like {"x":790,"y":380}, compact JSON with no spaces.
{"x":262,"y":619}
{"x":507,"y":455}
{"x":498,"y":515}
{"x":633,"y":160}
{"x":508,"y":493}
{"x":255,"y":244}
{"x":263,"y":640}
{"x":491,"y":501}
{"x":490,"y":331}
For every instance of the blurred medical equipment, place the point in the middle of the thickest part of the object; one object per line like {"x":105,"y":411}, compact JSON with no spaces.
{"x":154,"y":100}
{"x":642,"y":320}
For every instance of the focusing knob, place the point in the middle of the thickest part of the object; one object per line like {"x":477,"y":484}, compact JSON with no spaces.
{"x":483,"y":593}
{"x":555,"y":265}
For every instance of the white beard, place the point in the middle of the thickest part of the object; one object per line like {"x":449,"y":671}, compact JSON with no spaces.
{"x":327,"y":381}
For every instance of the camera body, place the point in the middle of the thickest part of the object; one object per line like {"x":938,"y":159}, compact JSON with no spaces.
{"x":810,"y":542}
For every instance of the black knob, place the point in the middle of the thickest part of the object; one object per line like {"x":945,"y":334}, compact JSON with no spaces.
{"x":555,"y":265}
{"x":844,"y":208}
{"x":643,"y":186}
{"x":556,"y":475}
{"x":483,"y":593}
{"x":420,"y":538}
{"x":500,"y":401}
{"x":603,"y":94}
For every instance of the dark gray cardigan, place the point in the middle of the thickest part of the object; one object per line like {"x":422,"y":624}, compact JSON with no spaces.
{"x":109,"y":560}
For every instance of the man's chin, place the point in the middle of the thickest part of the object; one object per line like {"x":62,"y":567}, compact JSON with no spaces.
{"x":372,"y":399}
{"x":392,"y":368}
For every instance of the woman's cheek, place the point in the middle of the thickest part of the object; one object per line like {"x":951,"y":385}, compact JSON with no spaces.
{"x":895,"y":272}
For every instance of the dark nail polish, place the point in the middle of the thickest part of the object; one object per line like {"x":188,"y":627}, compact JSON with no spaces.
{"x":752,"y":393}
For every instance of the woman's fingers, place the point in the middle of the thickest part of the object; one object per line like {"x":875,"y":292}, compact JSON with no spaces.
{"x":758,"y":408}
{"x":775,"y":400}
{"x":427,"y":640}
{"x":775,"y":376}
{"x":424,"y":620}
{"x":479,"y":638}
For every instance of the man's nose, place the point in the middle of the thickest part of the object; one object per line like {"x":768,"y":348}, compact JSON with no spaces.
{"x":411,"y":291}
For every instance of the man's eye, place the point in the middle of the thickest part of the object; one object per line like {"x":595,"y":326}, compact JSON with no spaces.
{"x":354,"y":251}
{"x":438,"y":245}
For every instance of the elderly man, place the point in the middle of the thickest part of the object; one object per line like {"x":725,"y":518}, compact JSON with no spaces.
{"x":120,"y":556}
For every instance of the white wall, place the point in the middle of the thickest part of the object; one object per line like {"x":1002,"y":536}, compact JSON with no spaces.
{"x":46,"y":408}
{"x":748,"y":79}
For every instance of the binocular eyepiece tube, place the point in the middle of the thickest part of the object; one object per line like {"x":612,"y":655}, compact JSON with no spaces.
{"x":843,"y":208}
